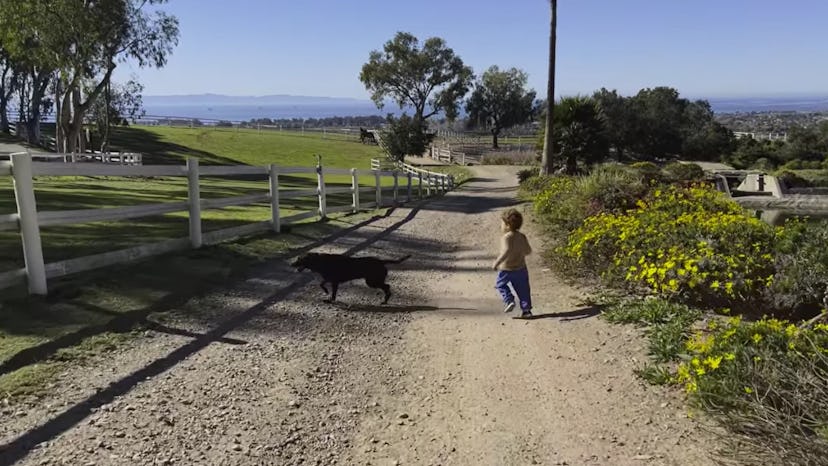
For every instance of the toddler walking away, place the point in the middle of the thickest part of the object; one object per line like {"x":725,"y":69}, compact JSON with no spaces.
{"x":511,"y":264}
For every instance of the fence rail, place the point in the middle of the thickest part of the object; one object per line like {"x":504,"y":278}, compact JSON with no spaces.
{"x":417,"y":183}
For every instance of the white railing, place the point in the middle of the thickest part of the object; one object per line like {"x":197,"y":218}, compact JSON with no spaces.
{"x":120,"y":158}
{"x":28,"y":220}
{"x":447,"y":155}
{"x":432,"y":181}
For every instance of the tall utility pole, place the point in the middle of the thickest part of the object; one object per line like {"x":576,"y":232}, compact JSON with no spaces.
{"x":546,"y":160}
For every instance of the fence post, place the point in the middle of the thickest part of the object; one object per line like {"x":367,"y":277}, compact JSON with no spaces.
{"x":408,"y":187}
{"x":420,"y":185}
{"x":29,"y":226}
{"x":379,"y":189}
{"x":320,"y":182}
{"x":396,"y":187}
{"x":355,"y":189}
{"x":275,"y":219}
{"x":194,"y":202}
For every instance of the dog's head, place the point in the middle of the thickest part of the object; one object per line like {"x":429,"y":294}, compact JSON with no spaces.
{"x":304,"y":262}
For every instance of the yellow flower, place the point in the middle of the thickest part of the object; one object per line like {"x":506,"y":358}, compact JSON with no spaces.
{"x":729,"y":356}
{"x":692,"y":387}
{"x":712,"y":362}
{"x":715,"y":285}
{"x":748,"y":390}
{"x":756,"y":338}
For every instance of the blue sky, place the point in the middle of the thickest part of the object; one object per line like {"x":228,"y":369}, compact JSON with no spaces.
{"x":704,"y":48}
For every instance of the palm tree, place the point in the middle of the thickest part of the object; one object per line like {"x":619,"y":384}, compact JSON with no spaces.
{"x":546,"y":161}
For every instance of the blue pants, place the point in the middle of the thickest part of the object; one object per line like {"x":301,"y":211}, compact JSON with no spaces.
{"x":520,"y":282}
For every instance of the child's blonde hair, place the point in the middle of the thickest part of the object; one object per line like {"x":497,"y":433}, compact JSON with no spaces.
{"x":513,"y":219}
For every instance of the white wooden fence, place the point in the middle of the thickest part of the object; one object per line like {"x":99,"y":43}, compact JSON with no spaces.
{"x":445,"y":154}
{"x":120,"y":158}
{"x":416,"y":183}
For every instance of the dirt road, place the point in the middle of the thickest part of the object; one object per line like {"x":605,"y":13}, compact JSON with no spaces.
{"x":269,"y":375}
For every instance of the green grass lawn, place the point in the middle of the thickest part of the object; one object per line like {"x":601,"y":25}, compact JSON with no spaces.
{"x":219,"y":146}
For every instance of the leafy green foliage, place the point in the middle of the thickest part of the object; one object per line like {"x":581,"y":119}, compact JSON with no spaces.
{"x":767,"y":381}
{"x":404,"y":136}
{"x":500,"y":100}
{"x":430,"y":76}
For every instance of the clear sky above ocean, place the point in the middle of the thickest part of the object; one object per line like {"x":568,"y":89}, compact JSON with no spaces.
{"x":705,"y":48}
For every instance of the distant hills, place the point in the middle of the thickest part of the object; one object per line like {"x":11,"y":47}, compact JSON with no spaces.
{"x":278,"y":99}
{"x":218,"y":106}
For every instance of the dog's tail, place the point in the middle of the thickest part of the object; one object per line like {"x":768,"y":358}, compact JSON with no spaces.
{"x":396,"y":261}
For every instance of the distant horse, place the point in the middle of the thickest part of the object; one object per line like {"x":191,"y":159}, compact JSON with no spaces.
{"x":365,"y":135}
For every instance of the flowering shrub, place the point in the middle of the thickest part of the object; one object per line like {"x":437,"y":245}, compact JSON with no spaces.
{"x":768,"y":381}
{"x":722,"y":359}
{"x":680,"y":241}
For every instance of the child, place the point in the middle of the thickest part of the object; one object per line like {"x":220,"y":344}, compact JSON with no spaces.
{"x":511,"y":264}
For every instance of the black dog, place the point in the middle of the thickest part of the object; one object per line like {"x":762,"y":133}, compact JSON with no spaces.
{"x":338,"y":268}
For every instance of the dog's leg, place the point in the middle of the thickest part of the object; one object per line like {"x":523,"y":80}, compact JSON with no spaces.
{"x":380,"y":284}
{"x":334,"y":287}
{"x":387,"y":290}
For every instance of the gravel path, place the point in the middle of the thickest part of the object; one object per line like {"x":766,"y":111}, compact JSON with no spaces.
{"x":439,"y":376}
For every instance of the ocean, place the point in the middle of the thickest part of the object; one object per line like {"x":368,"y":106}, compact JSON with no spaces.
{"x":243,"y":113}
{"x":246,"y":112}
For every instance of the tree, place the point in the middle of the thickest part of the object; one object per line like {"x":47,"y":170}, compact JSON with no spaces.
{"x":429,"y":76}
{"x":107,"y":32}
{"x":659,"y":113}
{"x":82,"y":42}
{"x":619,"y":119}
{"x":27,"y":51}
{"x":548,"y":142}
{"x":117,"y":105}
{"x":704,"y":138}
{"x":404,"y":136}
{"x":580,"y":133}
{"x":500,"y":100}
{"x":9,"y":82}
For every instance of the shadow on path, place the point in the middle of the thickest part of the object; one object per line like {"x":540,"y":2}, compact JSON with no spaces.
{"x":20,"y":447}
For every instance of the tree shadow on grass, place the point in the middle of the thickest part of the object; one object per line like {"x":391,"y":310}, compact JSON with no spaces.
{"x":159,"y":152}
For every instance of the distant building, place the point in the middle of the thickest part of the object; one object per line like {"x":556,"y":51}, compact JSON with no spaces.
{"x":761,"y":136}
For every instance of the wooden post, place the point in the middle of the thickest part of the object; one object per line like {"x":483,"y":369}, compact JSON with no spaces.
{"x":355,"y":189}
{"x":194,"y":202}
{"x":274,"y":198}
{"x":320,"y":182}
{"x":396,"y":187}
{"x":420,"y":185}
{"x":408,"y":187}
{"x":29,"y":226}
{"x":379,"y":189}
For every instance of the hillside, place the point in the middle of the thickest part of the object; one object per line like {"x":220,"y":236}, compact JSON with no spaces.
{"x":162,"y":145}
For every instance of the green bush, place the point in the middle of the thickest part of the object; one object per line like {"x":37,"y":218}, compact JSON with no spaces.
{"x":801,"y":262}
{"x":691,"y":243}
{"x":567,"y":201}
{"x":684,"y":172}
{"x":648,"y":171}
{"x":792,"y":180}
{"x":767,"y":381}
{"x":668,"y":324}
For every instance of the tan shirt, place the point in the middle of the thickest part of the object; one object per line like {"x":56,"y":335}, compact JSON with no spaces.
{"x":514,"y":247}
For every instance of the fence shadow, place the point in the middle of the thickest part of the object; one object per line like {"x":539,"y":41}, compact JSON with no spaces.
{"x":20,"y":447}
